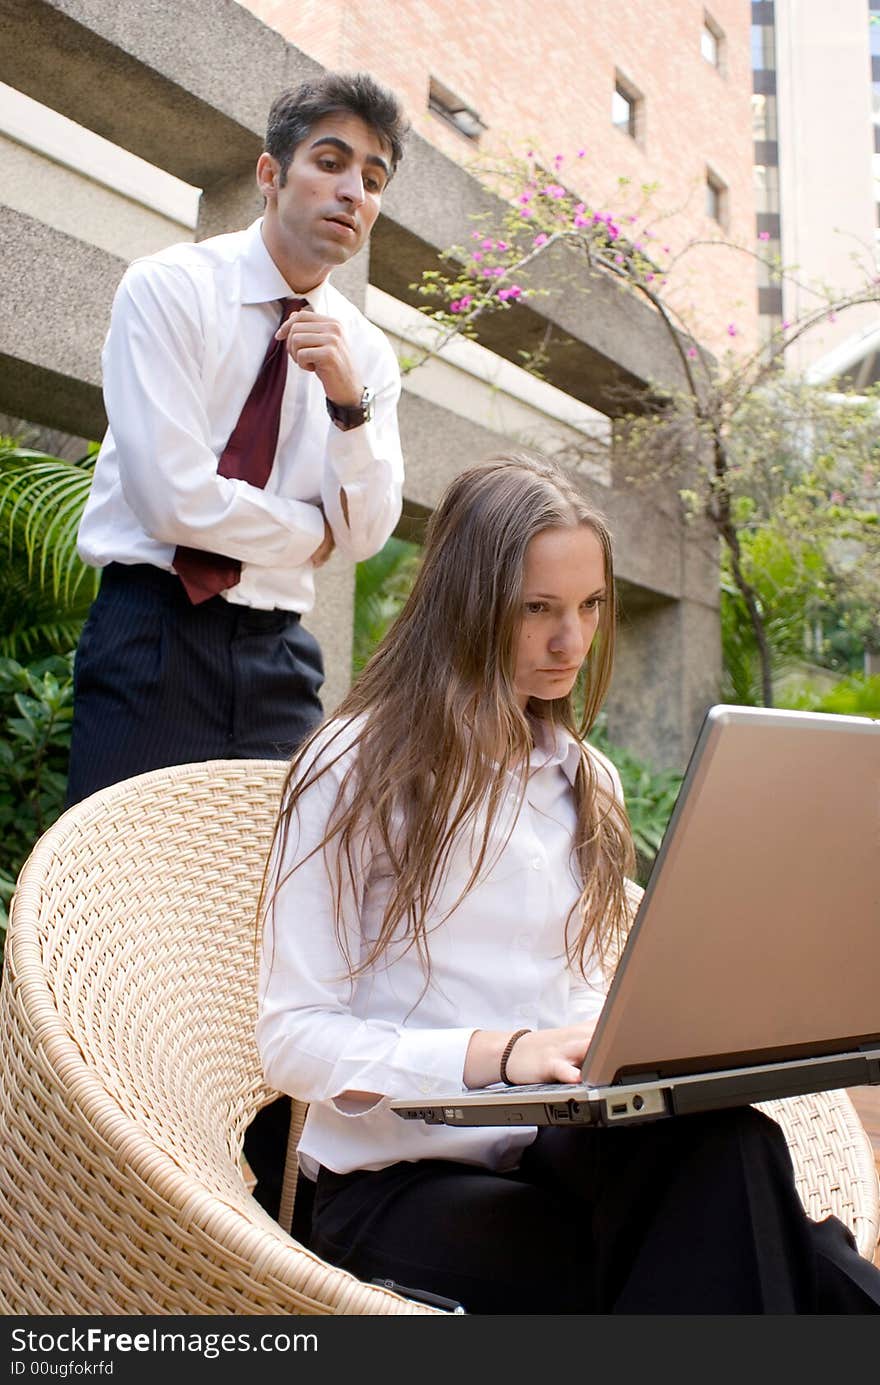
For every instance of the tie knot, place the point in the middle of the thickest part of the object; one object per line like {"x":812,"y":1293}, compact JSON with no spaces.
{"x":292,"y":305}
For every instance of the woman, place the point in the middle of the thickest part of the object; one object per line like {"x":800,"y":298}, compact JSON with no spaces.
{"x":445,"y":899}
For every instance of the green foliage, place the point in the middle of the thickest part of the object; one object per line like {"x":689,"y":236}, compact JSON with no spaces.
{"x":855,"y":696}
{"x":45,"y":589}
{"x":650,"y":795}
{"x":36,"y":709}
{"x":382,"y":584}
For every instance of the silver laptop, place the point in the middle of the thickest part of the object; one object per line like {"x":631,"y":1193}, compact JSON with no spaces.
{"x":752,"y":969}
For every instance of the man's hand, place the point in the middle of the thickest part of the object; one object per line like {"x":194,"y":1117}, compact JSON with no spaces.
{"x":318,"y":343}
{"x":325,"y":547}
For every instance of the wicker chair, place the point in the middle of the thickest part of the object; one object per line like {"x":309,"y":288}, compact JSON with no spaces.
{"x":129,"y":1072}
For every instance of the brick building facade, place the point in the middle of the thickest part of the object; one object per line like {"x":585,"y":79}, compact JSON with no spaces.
{"x":545,"y":79}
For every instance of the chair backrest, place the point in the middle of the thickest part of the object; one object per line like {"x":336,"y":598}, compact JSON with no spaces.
{"x":129,"y":1070}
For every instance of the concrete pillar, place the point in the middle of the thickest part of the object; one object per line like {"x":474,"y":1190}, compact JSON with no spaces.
{"x":667,"y":674}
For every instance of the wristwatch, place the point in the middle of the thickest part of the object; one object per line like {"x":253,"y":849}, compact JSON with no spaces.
{"x":353,"y":415}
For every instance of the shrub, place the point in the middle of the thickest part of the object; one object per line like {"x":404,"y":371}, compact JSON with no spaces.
{"x":36,"y":708}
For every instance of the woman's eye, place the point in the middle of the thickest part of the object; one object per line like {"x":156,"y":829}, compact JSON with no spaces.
{"x":534,"y":608}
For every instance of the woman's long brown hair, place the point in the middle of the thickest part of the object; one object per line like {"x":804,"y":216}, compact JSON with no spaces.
{"x":436,"y":725}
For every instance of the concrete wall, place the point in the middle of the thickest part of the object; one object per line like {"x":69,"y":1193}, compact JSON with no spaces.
{"x":156,"y":80}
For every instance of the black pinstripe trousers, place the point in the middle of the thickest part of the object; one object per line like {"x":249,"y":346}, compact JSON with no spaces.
{"x":158,"y":681}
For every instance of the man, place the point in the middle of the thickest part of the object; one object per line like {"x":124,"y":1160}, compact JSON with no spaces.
{"x":252,"y":430}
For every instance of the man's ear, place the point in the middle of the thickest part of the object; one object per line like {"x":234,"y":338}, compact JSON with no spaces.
{"x":268,"y":174}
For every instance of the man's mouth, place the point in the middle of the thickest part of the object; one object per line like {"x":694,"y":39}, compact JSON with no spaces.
{"x":347,"y":221}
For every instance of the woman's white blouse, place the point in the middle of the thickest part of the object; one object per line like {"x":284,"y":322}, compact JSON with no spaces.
{"x":497,"y":962}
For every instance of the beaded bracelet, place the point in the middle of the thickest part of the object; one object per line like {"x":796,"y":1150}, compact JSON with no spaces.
{"x":506,"y":1055}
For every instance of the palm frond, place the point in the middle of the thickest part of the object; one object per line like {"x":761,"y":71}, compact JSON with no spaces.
{"x":45,"y":588}
{"x":41,"y":501}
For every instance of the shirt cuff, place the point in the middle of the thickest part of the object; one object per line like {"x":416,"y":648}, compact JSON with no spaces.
{"x":352,"y":451}
{"x":435,"y":1058}
{"x":307,"y":536}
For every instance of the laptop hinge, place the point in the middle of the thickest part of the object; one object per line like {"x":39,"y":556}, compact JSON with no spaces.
{"x":637,"y":1078}
{"x":872,"y":1059}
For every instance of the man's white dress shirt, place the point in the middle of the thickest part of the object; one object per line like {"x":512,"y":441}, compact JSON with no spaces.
{"x":188,"y":333}
{"x":498,"y":962}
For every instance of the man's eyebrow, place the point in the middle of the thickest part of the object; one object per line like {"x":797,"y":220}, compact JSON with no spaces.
{"x":344,"y":148}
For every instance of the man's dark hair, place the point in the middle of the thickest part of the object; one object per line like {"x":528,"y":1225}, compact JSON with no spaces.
{"x":294,"y":113}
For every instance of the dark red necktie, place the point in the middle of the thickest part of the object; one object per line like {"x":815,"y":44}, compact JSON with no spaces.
{"x":248,"y":456}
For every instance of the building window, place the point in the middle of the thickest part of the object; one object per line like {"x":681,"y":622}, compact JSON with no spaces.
{"x":712,"y":42}
{"x":444,"y":103}
{"x":768,"y":263}
{"x":763,"y":47}
{"x":766,"y":188}
{"x":626,"y":108}
{"x":764,"y":126}
{"x":716,"y":198}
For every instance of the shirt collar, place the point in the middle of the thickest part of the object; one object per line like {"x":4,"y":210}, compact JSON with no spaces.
{"x":556,"y":746}
{"x":262,"y":280}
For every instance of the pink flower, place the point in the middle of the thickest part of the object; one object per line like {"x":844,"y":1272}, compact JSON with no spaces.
{"x":785,"y":326}
{"x":455,"y":306}
{"x":540,"y":239}
{"x":637,"y":245}
{"x":475,"y":235}
{"x":524,"y":198}
{"x":666,"y":250}
{"x":832,"y":317}
{"x":581,"y":220}
{"x":466,"y":301}
{"x":503,"y":295}
{"x":731,"y":329}
{"x":631,"y":219}
{"x":515,"y":291}
{"x":692,"y":352}
{"x":488,"y":245}
{"x":558,"y":159}
{"x":527,"y":213}
{"x":618,"y":259}
{"x":502,"y":245}
{"x":581,"y":153}
{"x":837,"y":497}
{"x":613,"y":231}
{"x":763,"y":235}
{"x":477,"y":255}
{"x":554,"y":190}
{"x":648,"y":278}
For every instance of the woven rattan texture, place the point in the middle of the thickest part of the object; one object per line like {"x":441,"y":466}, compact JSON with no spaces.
{"x":129,"y":1071}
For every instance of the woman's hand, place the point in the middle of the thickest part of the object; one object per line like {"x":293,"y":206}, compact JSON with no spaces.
{"x":543,"y":1055}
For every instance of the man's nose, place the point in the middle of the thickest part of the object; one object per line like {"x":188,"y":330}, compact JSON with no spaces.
{"x":351,"y":186}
